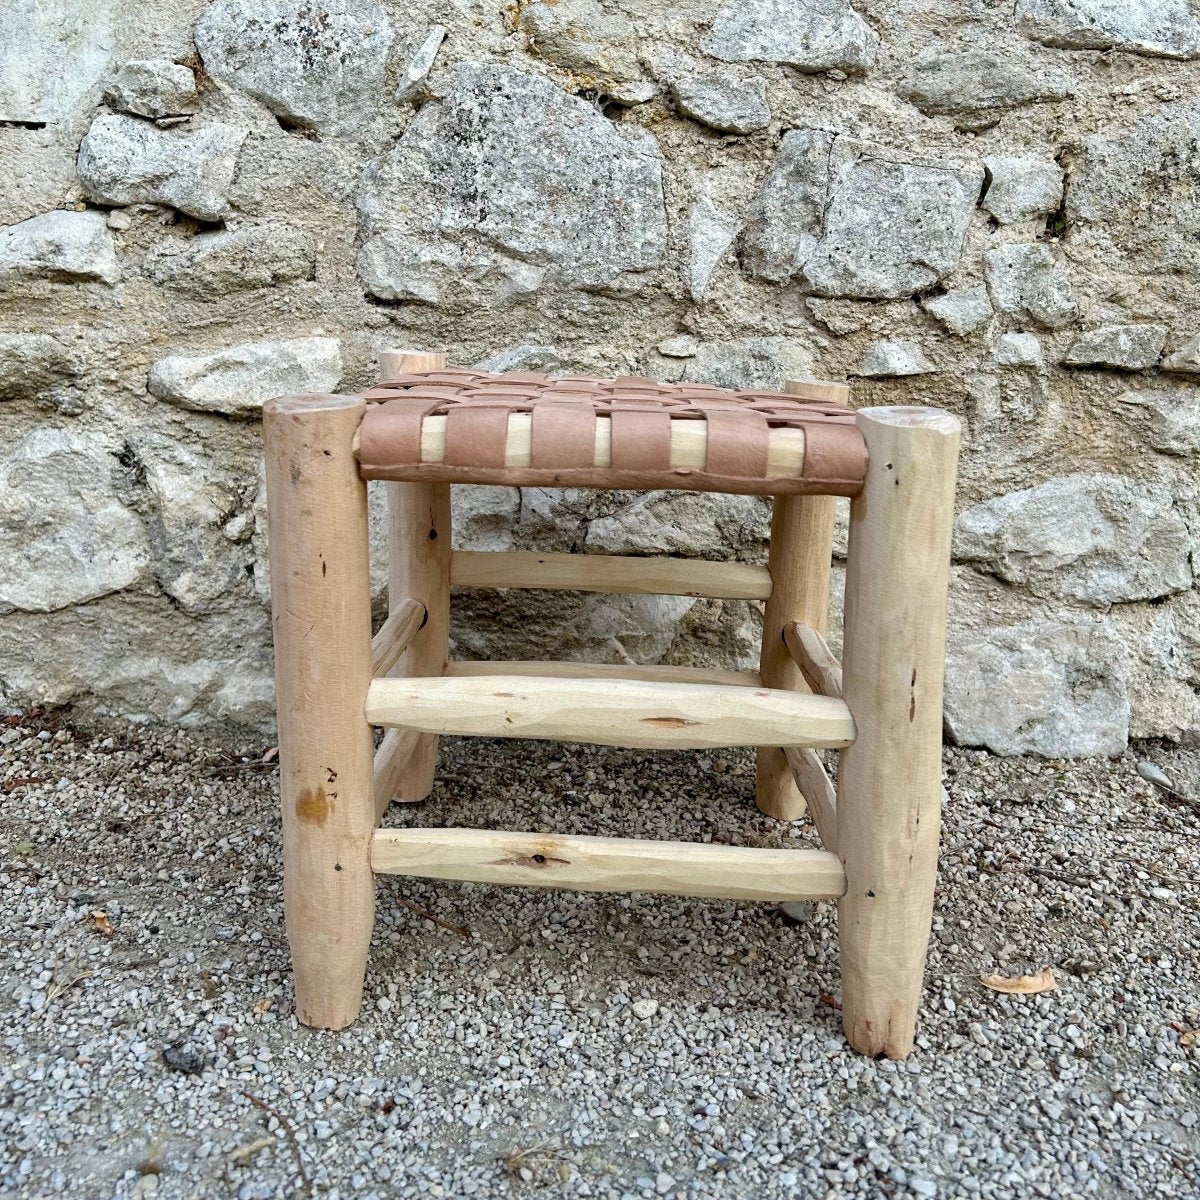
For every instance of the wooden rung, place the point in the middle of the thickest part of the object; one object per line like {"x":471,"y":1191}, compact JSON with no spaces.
{"x":394,"y":635}
{"x":629,"y":712}
{"x":817,"y":788}
{"x":599,"y":864}
{"x":390,"y":760}
{"x":814,"y":658}
{"x":610,"y":573}
{"x":586,"y":670}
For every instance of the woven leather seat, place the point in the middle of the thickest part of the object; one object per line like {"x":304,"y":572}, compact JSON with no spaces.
{"x":520,"y":428}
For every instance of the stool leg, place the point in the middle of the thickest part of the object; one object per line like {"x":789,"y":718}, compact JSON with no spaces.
{"x":889,"y":780}
{"x":801,"y":555}
{"x":419,"y":569}
{"x":321,"y":616}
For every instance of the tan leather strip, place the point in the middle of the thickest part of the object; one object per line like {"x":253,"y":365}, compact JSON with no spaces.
{"x":394,"y":433}
{"x":737,"y":441}
{"x":564,"y":435}
{"x":641,"y":440}
{"x":834,"y":452}
{"x":476,"y":436}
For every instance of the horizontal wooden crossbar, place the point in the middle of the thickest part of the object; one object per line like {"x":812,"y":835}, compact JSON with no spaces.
{"x":667,"y":716}
{"x":609,"y":573}
{"x":816,"y":661}
{"x":599,"y":864}
{"x":394,"y":635}
{"x":817,"y":789}
{"x":584,"y":670}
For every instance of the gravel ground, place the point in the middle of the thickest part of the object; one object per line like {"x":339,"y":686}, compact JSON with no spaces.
{"x":520,"y":1042}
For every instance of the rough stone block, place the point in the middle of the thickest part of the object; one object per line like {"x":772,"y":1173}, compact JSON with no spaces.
{"x":533,"y":186}
{"x":124,"y":160}
{"x":216,"y":264}
{"x":821,"y":35}
{"x":1029,"y":281}
{"x":69,"y":247}
{"x":153,"y":87}
{"x":893,"y":359}
{"x":1124,"y":347}
{"x":314,"y":65}
{"x":1021,"y":188}
{"x":726,"y":102}
{"x":979,"y":80}
{"x":236,"y":381}
{"x":1161,"y":28}
{"x":851,"y":219}
{"x":1102,"y":539}
{"x":963,"y":310}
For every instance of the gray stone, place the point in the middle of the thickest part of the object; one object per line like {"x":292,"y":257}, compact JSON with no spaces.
{"x":216,"y":264}
{"x":52,"y":55}
{"x":726,"y":102}
{"x":65,"y":537}
{"x":1171,"y":417}
{"x":1102,"y":539}
{"x":236,"y":381}
{"x":711,"y":232}
{"x":1126,"y":347}
{"x":412,"y":82}
{"x":200,"y":540}
{"x":963,"y":310}
{"x":1185,"y":358}
{"x":1134,"y":200}
{"x":124,"y":160}
{"x":1161,"y":28}
{"x":314,"y":65}
{"x":1050,"y":686}
{"x":1017,"y":350}
{"x":33,"y":365}
{"x":67,"y":247}
{"x":483,"y":518}
{"x":1021,"y":188}
{"x":690,"y":524}
{"x":153,"y":87}
{"x":753,"y":362}
{"x":857,"y":220}
{"x":524,"y":358}
{"x":978,"y":81}
{"x":892,"y":359}
{"x":534,"y":186}
{"x":596,"y":42}
{"x":819,"y":35}
{"x":1029,"y":281}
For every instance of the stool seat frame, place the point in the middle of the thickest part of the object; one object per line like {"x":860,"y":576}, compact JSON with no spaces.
{"x":880,"y":708}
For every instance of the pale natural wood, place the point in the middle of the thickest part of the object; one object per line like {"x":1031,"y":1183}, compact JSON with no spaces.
{"x":889,"y":781}
{"x":399,"y":362}
{"x":391,"y":759}
{"x":810,"y":652}
{"x":419,"y":569}
{"x":668,"y":716}
{"x":815,"y":786}
{"x":599,"y":864}
{"x":689,"y":445}
{"x":394,"y":635}
{"x":321,"y":615}
{"x":801,"y":557}
{"x":584,"y":670}
{"x":819,"y":389}
{"x":610,"y":574}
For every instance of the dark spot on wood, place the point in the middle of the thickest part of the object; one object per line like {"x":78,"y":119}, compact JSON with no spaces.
{"x":539,"y":859}
{"x":506,"y":695}
{"x":313,"y":806}
{"x":330,"y":774}
{"x":871,"y":895}
{"x":530,"y":861}
{"x":295,"y":475}
{"x":327,"y":453}
{"x":668,"y":722}
{"x":324,"y":568}
{"x":433,"y":535}
{"x":912,"y":696}
{"x":337,"y":866}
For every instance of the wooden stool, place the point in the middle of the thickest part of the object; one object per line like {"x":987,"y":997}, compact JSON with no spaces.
{"x":426,"y":427}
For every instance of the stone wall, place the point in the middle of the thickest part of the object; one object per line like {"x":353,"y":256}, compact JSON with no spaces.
{"x":989,"y":206}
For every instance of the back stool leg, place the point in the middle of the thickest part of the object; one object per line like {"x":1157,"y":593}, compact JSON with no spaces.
{"x":321,"y":617}
{"x":889,"y":780}
{"x":419,"y":569}
{"x":801,"y":556}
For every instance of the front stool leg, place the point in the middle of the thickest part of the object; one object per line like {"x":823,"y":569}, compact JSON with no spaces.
{"x":321,"y":616}
{"x":889,"y":780}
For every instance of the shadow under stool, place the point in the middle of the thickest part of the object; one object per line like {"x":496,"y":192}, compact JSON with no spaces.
{"x":428,"y":426}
